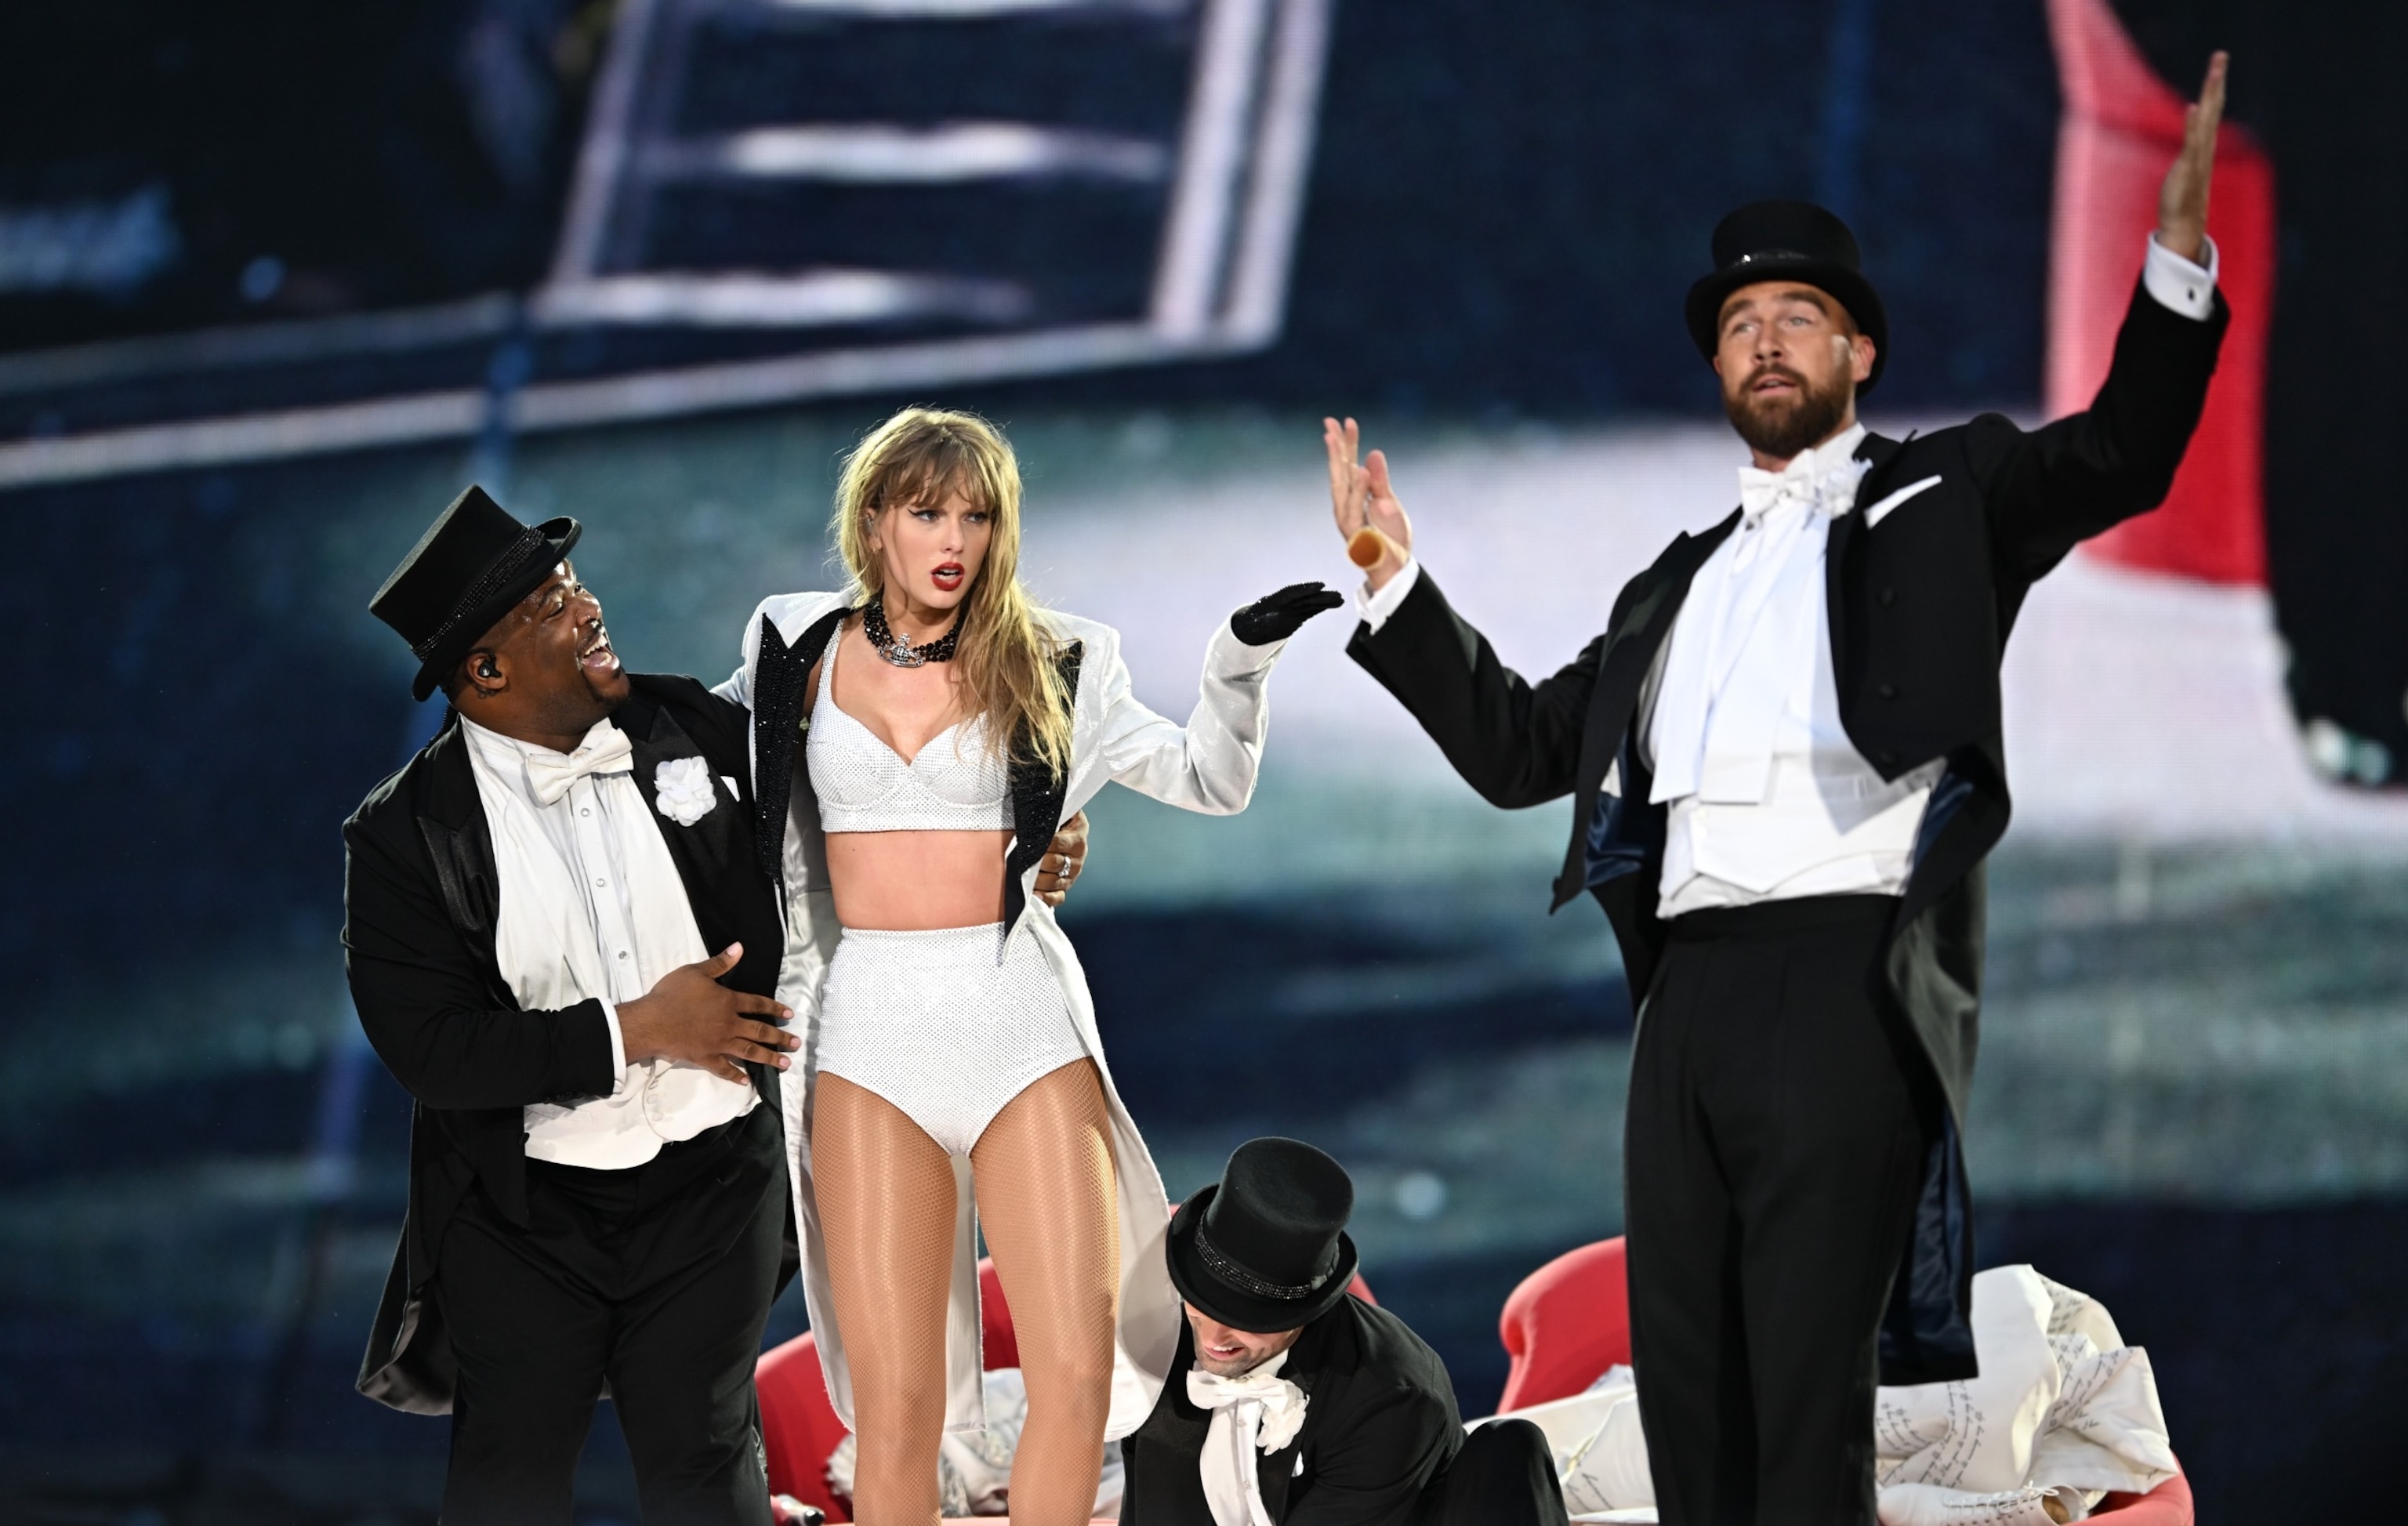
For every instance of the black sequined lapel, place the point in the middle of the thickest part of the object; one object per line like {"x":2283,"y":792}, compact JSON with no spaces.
{"x":1037,"y":794}
{"x":780,"y":692}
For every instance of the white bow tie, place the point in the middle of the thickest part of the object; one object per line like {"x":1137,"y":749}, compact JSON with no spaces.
{"x":1261,"y":1409}
{"x":605,"y":750}
{"x":1283,"y":1402}
{"x":1828,"y":487}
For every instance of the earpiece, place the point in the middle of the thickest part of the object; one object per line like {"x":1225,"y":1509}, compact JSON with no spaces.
{"x":485,"y":669}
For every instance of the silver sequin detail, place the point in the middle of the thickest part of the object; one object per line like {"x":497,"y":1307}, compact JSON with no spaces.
{"x":1237,"y":1276}
{"x":505,"y":567}
{"x":935,"y":1023}
{"x":956,"y":783}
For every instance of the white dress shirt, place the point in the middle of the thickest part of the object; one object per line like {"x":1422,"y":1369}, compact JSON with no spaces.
{"x":1769,"y":798}
{"x":592,"y":907}
{"x":1255,"y":1412}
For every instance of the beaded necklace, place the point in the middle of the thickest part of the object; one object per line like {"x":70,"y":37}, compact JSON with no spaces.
{"x":901,"y":652}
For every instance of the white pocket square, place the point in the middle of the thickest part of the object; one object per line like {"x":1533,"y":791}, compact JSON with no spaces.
{"x":1874,"y":515}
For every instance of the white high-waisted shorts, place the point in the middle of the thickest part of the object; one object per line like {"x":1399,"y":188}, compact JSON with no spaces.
{"x":932,"y":1023}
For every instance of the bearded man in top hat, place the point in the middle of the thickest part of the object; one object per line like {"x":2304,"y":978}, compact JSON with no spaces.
{"x":560,"y":941}
{"x":1786,"y":763}
{"x":1299,"y":1405}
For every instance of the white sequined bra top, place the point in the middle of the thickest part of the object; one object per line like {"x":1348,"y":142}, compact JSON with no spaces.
{"x":864,"y":785}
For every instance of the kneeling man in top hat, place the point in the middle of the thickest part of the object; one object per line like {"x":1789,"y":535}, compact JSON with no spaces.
{"x":1300,"y":1405}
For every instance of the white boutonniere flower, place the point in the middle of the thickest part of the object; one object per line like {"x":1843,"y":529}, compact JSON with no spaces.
{"x":1283,"y":1420}
{"x":683,"y":790}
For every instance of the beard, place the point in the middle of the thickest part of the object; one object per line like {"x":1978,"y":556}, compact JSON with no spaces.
{"x":1781,"y":427}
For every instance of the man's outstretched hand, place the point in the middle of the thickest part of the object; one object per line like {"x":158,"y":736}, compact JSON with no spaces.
{"x":689,"y":1016}
{"x":1361,"y":500}
{"x":2182,"y":201}
{"x":1065,"y":856}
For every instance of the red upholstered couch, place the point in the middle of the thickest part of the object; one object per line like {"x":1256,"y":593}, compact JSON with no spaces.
{"x":1570,"y":1321}
{"x":799,"y":1426}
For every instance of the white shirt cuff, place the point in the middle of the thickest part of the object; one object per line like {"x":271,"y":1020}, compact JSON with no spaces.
{"x":1375,"y":608}
{"x":2177,"y":283}
{"x":618,"y":1047}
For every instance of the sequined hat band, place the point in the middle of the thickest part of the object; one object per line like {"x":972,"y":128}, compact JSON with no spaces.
{"x":510,"y":565}
{"x":1237,"y":1276}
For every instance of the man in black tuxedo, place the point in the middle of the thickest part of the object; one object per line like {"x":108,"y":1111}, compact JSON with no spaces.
{"x":1786,"y":767}
{"x":597,"y":1165}
{"x":562,"y":943}
{"x":1291,"y":1403}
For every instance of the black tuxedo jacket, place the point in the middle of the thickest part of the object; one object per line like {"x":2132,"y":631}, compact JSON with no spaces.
{"x":1380,"y":1424}
{"x":1920,"y":607}
{"x":420,"y":897}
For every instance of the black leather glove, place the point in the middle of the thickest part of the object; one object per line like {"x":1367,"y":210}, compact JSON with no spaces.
{"x":1275,"y":617}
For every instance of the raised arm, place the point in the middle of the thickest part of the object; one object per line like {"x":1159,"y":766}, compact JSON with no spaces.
{"x":1210,"y":764}
{"x":1516,"y":742}
{"x":2085,"y":473}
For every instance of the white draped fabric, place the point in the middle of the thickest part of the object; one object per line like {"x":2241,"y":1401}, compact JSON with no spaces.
{"x":2063,"y":1411}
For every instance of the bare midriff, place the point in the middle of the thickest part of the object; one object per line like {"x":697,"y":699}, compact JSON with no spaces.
{"x":913,"y":881}
{"x":907,"y":881}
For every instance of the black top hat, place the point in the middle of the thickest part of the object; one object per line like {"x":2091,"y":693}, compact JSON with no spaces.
{"x":1264,"y":1250}
{"x":1788,"y":241}
{"x":465,"y":573}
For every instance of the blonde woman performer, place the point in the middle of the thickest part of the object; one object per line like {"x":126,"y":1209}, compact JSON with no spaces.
{"x":916,"y":739}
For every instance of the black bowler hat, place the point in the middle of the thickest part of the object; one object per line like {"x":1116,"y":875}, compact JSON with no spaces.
{"x":1788,"y":241}
{"x":465,"y":573}
{"x":1264,"y":1250}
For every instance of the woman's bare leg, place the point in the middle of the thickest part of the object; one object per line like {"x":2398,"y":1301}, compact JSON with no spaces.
{"x":886,"y":1204}
{"x":1048,"y":1201}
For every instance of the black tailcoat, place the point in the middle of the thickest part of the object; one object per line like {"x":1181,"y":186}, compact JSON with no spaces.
{"x":1920,"y":607}
{"x":1380,"y":1423}
{"x":421,"y":900}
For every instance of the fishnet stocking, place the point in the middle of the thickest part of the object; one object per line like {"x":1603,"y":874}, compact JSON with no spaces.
{"x":1047,"y":1199}
{"x":885,"y":1193}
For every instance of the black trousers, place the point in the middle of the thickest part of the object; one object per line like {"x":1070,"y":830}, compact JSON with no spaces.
{"x":1773,"y":1148}
{"x":1503,"y":1476}
{"x":657,"y":1280}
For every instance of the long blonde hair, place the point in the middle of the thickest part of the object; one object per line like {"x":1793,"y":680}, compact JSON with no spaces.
{"x":1005,"y":660}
